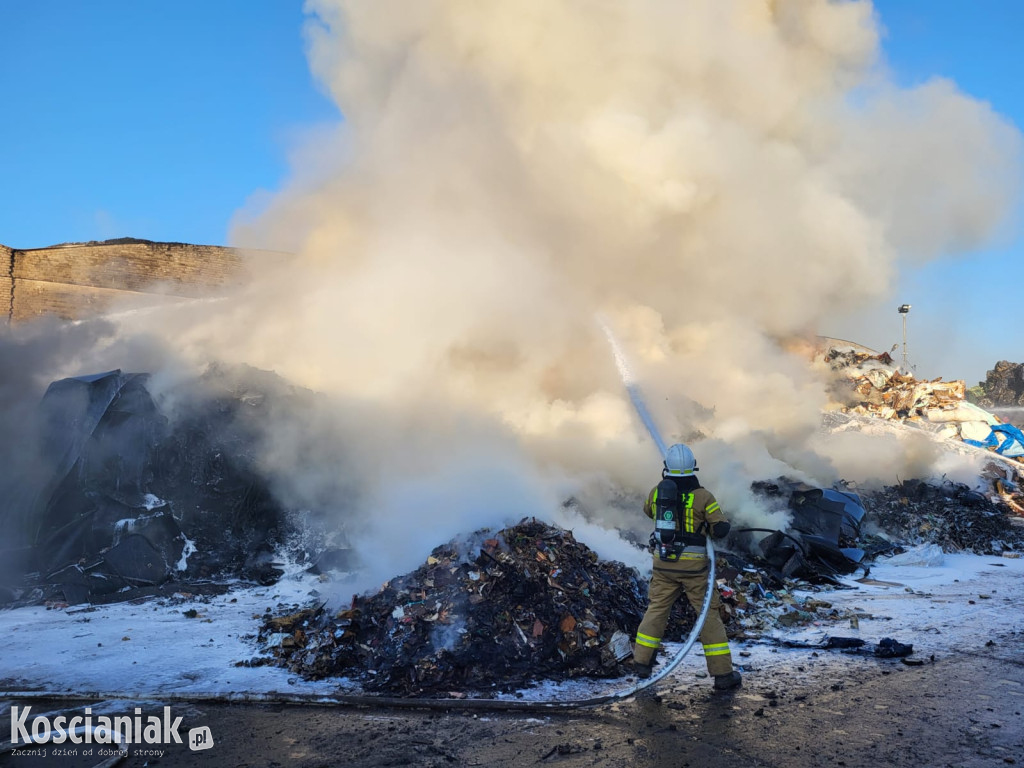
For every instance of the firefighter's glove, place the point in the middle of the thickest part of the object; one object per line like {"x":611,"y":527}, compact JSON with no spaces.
{"x":652,"y":543}
{"x":720,"y":529}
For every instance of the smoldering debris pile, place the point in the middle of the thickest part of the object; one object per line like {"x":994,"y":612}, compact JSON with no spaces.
{"x":125,"y":498}
{"x":500,"y":611}
{"x":948,"y":514}
{"x":833,"y":531}
{"x":525,"y":603}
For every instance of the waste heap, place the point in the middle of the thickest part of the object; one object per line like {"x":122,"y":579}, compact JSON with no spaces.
{"x":1003,"y":386}
{"x":875,"y":387}
{"x":948,"y":514}
{"x":881,"y":389}
{"x":123,"y":499}
{"x":1002,"y":392}
{"x":526,"y":603}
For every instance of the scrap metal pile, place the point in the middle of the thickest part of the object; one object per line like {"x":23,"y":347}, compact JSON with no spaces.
{"x":525,"y":603}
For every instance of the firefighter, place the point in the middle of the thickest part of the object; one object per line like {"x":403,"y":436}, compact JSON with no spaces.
{"x":683,"y":512}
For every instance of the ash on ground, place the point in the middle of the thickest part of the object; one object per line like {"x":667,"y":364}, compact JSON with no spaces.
{"x":523,"y":604}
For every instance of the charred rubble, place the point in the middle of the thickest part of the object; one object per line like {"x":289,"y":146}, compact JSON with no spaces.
{"x":530,"y":602}
{"x":125,"y":498}
{"x":836,"y":531}
{"x":522,"y":604}
{"x":949,"y":514}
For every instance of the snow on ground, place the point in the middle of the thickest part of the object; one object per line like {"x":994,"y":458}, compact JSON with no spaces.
{"x":956,"y":606}
{"x":942,"y":610}
{"x":151,"y":649}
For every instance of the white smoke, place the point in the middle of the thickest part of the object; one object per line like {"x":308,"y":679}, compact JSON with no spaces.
{"x":715,"y":176}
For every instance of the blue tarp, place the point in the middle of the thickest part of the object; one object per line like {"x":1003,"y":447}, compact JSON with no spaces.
{"x":1005,"y":439}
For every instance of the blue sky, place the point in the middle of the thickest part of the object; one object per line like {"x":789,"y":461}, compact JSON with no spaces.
{"x":160,"y":119}
{"x":960,"y":322}
{"x":146,"y":119}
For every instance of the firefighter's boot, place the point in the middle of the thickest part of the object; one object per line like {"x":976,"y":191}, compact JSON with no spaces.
{"x":728,"y":682}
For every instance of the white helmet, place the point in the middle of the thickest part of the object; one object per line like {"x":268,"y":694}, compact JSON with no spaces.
{"x":679,"y":461}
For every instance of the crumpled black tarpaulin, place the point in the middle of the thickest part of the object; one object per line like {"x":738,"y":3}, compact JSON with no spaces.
{"x":123,"y":497}
{"x":821,"y":541}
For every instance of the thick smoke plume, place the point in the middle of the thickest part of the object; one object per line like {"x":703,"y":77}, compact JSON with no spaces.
{"x":715,"y":177}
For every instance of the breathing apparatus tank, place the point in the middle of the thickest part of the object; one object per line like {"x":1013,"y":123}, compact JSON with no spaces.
{"x":668,"y":509}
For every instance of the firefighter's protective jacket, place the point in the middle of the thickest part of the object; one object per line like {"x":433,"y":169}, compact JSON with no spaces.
{"x":701,"y":513}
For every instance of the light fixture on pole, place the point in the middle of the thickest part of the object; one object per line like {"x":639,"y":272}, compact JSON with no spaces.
{"x":904,"y":310}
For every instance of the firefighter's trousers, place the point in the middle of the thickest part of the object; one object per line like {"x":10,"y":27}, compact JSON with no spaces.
{"x":667,"y":584}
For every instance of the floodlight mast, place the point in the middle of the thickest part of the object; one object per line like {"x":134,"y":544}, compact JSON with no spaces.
{"x":904,"y":310}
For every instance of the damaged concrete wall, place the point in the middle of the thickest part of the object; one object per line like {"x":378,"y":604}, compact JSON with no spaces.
{"x":80,"y":279}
